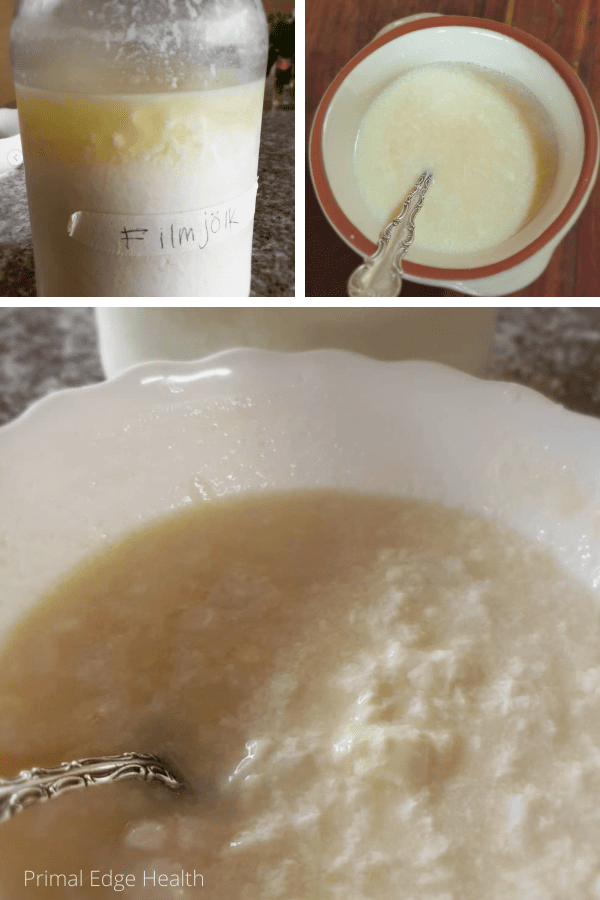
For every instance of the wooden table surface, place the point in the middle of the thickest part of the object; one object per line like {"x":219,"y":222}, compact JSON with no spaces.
{"x":337,"y":29}
{"x":7,"y":90}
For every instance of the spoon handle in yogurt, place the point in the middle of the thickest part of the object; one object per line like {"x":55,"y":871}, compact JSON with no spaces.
{"x":37,"y":785}
{"x":380,"y":275}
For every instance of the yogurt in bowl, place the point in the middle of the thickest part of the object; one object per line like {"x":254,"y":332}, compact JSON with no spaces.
{"x":493,"y":164}
{"x":512,"y":56}
{"x":244,"y":430}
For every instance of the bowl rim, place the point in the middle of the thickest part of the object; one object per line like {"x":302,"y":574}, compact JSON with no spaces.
{"x":152,"y":377}
{"x":359,"y":242}
{"x":488,"y":445}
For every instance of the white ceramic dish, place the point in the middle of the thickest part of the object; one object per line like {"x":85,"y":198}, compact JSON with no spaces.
{"x":11,"y":154}
{"x":458,"y":336}
{"x":416,"y":41}
{"x":85,"y":466}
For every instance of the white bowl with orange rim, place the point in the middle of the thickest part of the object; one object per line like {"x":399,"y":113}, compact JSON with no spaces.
{"x":416,"y":41}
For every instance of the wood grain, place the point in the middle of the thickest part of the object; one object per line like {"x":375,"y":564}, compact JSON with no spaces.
{"x":337,"y":29}
{"x":7,"y":90}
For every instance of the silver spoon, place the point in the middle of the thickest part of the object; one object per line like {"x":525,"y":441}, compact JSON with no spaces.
{"x":380,"y":275}
{"x":37,"y":785}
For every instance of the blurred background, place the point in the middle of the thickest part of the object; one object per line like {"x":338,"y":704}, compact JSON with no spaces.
{"x":280,"y":63}
{"x":7,"y":91}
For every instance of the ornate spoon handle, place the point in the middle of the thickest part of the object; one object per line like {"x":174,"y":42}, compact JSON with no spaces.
{"x":381,"y":274}
{"x":37,"y":785}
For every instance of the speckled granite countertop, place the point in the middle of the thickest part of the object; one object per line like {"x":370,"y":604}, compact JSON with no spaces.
{"x":554,"y":350}
{"x":273,"y":243}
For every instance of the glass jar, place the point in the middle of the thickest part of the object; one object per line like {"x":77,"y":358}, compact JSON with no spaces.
{"x":140,"y":124}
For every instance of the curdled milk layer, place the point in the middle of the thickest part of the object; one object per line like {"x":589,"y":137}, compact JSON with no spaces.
{"x":138,"y":154}
{"x":486,"y":141}
{"x":369,"y":698}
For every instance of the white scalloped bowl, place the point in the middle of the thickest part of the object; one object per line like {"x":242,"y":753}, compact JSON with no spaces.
{"x":85,"y":466}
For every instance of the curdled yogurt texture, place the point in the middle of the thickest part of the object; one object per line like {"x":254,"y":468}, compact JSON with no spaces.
{"x":484,"y":137}
{"x":369,"y":697}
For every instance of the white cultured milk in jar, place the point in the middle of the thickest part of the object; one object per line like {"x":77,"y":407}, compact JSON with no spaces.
{"x":141,"y":162}
{"x":484,"y":137}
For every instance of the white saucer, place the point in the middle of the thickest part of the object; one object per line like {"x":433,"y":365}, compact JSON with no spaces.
{"x":11,"y":154}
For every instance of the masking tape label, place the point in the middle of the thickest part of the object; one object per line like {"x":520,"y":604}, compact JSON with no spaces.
{"x":159,"y":235}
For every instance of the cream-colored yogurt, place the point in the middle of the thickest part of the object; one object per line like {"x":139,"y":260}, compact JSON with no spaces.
{"x":486,"y":142}
{"x":370,"y":698}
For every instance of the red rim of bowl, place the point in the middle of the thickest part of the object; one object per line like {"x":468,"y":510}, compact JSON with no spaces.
{"x":361,"y":243}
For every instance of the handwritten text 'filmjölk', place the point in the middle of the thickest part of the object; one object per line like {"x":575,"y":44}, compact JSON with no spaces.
{"x":151,"y":234}
{"x":176,"y":236}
